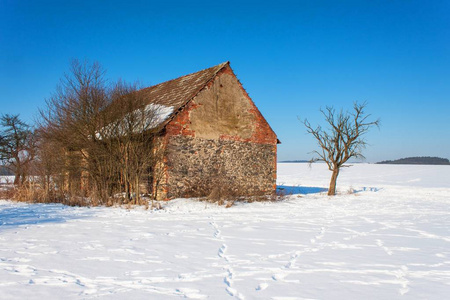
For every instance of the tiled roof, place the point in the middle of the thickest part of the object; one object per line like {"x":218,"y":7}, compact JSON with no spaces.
{"x":177,"y":92}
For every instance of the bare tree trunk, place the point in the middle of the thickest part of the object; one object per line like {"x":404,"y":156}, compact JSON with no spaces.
{"x":137,"y":191}
{"x":127,"y":188}
{"x":17,"y":179}
{"x":23,"y":178}
{"x":332,"y":188}
{"x":17,"y":172}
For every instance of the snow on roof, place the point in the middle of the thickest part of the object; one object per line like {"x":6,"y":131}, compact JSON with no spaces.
{"x":140,"y":120}
{"x":161,"y":113}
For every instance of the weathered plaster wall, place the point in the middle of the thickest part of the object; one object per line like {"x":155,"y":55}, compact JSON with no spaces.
{"x":223,"y":110}
{"x":220,"y":134}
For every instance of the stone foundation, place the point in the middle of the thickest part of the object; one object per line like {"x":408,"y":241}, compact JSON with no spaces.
{"x":196,"y":166}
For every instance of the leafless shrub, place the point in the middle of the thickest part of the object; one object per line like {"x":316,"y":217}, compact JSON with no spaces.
{"x":229,"y":204}
{"x":156,"y":205}
{"x":219,"y":189}
{"x":223,"y":191}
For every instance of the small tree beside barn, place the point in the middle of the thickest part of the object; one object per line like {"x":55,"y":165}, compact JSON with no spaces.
{"x":343,"y":140}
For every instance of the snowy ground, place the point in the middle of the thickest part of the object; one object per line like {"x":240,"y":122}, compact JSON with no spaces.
{"x":390,"y":239}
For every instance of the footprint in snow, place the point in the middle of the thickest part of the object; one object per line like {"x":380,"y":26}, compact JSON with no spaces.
{"x":222,"y":251}
{"x":228,"y":280}
{"x":262,"y":286}
{"x":278,"y":277}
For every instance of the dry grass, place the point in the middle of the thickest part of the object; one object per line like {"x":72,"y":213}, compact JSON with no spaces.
{"x":215,"y":190}
{"x":219,"y":190}
{"x":37,"y":195}
{"x":6,"y":193}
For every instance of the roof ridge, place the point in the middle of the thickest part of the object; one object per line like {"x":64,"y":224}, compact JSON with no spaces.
{"x":219,"y":66}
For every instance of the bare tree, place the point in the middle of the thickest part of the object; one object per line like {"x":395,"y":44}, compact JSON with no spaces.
{"x":343,"y":139}
{"x":17,"y":146}
{"x":48,"y":167}
{"x":133,"y":131}
{"x":106,"y":133}
{"x":70,"y":122}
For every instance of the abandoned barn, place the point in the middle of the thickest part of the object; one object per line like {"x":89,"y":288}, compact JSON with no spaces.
{"x":212,"y":135}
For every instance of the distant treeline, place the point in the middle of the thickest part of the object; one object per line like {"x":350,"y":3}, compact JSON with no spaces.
{"x":426,"y":160}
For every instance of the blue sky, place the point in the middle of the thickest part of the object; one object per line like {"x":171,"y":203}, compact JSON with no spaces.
{"x":293,"y":57}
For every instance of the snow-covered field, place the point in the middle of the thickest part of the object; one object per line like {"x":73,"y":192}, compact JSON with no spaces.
{"x":389,"y":239}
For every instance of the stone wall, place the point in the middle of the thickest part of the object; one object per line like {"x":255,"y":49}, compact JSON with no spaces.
{"x":219,"y":139}
{"x":195,"y":166}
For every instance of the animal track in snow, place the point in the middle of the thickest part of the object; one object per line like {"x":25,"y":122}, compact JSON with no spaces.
{"x":279,"y":276}
{"x":222,"y":251}
{"x":19,"y":269}
{"x":262,"y":286}
{"x":228,"y":280}
{"x":292,"y":260}
{"x":217,"y":232}
{"x":319,"y":236}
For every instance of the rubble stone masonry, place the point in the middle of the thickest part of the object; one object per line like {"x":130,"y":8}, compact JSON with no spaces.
{"x":198,"y":165}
